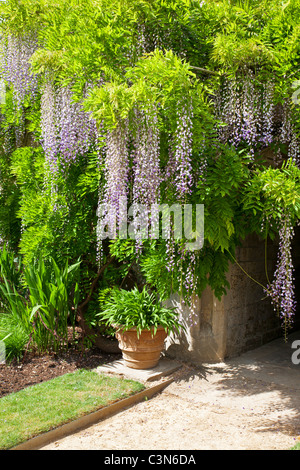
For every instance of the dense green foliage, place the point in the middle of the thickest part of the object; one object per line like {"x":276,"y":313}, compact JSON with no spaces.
{"x":137,"y":54}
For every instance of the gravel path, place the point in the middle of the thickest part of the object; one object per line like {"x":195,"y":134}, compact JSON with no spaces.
{"x":250,"y":403}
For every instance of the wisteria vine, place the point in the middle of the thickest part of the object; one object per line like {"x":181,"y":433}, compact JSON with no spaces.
{"x":281,"y":290}
{"x":183,"y":141}
{"x":16,"y":69}
{"x":114,"y":195}
{"x":250,"y":116}
{"x":245,"y":107}
{"x":66,"y":130}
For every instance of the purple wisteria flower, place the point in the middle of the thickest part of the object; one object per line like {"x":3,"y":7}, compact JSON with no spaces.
{"x":247,"y":113}
{"x":49,"y":130}
{"x":16,"y":52}
{"x":146,"y":169}
{"x":146,"y":166}
{"x":267,"y":114}
{"x":66,"y":129}
{"x":110,"y":213}
{"x":281,"y":290}
{"x":76,"y":131}
{"x":182,"y":157}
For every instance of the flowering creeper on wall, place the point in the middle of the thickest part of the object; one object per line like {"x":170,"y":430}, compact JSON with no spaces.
{"x":281,"y":290}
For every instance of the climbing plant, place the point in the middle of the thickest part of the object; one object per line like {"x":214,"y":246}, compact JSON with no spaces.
{"x":151,"y":103}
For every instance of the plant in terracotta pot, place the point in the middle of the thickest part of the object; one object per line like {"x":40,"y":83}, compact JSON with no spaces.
{"x":142,"y":324}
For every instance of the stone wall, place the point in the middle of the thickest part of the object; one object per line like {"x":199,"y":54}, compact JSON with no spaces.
{"x":251,"y":320}
{"x":205,"y":340}
{"x":243,"y":319}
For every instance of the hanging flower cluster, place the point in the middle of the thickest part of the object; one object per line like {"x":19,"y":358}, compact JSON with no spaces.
{"x":250,"y":130}
{"x":237,"y":108}
{"x":281,"y":290}
{"x":147,"y":177}
{"x":182,"y":157}
{"x":115,"y":192}
{"x":66,"y":133}
{"x":288,"y":133}
{"x":268,"y":114}
{"x":227,"y":108}
{"x":146,"y":168}
{"x":187,"y":278}
{"x":48,"y":126}
{"x":190,"y":283}
{"x":67,"y":130}
{"x":170,"y":254}
{"x":16,"y":53}
{"x":294,"y":148}
{"x":286,"y":125}
{"x":76,"y":131}
{"x":248,"y":112}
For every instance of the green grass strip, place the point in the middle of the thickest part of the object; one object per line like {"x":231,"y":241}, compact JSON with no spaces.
{"x":296,"y":447}
{"x":44,"y":406}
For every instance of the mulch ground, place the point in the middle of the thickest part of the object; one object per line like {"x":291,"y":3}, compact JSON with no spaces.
{"x":35,"y":369}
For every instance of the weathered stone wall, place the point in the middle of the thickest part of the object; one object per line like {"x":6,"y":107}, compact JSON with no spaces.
{"x":205,"y":340}
{"x":251,"y":320}
{"x":244,"y":318}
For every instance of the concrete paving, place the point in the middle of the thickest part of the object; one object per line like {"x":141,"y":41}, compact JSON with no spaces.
{"x":165,"y":367}
{"x":276,"y":362}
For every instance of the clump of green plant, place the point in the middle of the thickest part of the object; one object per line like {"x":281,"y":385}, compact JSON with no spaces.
{"x":138,"y":309}
{"x":14,"y":314}
{"x":38,"y":304}
{"x":53,"y":295}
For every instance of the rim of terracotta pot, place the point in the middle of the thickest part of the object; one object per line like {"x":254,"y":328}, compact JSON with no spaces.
{"x":121,"y":328}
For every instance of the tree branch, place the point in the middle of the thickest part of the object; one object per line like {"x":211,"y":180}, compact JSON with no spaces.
{"x":210,"y":72}
{"x":94,"y":283}
{"x":105,"y":344}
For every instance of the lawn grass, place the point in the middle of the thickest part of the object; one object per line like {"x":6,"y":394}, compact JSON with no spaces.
{"x":296,"y":447}
{"x":42,"y":407}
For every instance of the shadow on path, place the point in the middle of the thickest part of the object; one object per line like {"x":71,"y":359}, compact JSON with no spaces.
{"x":263,"y":382}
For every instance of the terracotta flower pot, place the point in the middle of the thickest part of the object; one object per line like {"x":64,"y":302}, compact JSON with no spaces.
{"x":141,"y":352}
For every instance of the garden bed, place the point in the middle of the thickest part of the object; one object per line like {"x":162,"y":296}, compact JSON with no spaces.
{"x":35,"y":369}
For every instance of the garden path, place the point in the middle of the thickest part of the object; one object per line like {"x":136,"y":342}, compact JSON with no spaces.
{"x":251,"y":402}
